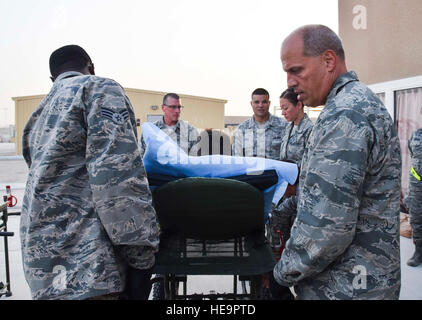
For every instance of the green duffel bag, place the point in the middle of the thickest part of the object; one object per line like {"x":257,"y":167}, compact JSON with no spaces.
{"x":209,"y":208}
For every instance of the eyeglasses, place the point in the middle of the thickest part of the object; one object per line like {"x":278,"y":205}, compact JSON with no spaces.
{"x":175,"y":107}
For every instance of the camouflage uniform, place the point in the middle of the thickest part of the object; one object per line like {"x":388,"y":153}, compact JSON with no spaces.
{"x":292,"y":148}
{"x":183,"y":133}
{"x":344,"y":242}
{"x":414,"y":197}
{"x":87,"y":211}
{"x":251,"y":141}
{"x":283,"y":217}
{"x":294,"y":140}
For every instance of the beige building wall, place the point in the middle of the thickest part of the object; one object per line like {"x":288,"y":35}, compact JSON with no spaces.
{"x":24,"y":107}
{"x":201,"y":112}
{"x":382,"y":38}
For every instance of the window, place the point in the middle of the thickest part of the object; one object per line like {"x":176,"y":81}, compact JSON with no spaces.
{"x":154,"y":117}
{"x":403,"y":99}
{"x":408,"y":118}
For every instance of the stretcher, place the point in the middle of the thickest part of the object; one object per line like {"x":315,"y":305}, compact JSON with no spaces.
{"x":212,"y":211}
{"x":211,"y":226}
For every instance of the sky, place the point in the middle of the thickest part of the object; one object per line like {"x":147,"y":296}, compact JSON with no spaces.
{"x":220,"y":49}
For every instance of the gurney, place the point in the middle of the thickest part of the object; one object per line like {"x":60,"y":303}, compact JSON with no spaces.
{"x":211,"y":226}
{"x":212,"y":218}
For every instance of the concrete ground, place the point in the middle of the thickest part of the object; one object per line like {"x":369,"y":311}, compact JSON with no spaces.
{"x":13,"y":172}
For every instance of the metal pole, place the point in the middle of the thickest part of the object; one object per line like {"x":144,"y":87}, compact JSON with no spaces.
{"x":3,"y":208}
{"x":6,"y":258}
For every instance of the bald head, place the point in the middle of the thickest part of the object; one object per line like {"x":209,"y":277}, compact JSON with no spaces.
{"x":313,"y":58}
{"x":317,"y":39}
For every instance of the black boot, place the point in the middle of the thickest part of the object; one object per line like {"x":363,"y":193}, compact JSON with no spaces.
{"x":279,"y":292}
{"x":417,"y":256}
{"x":138,"y":284}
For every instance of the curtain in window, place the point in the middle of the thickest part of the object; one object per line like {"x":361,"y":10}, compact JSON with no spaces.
{"x":408,"y":116}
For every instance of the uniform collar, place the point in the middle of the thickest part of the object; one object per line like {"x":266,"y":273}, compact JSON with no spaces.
{"x":177,"y":125}
{"x":302,"y":121}
{"x":341,"y":81}
{"x":68,"y":74}
{"x":269,"y":122}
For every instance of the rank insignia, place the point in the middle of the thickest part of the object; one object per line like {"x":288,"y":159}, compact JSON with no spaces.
{"x":119,"y":117}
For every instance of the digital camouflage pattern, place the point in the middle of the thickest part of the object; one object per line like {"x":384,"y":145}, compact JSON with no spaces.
{"x":283,"y":217}
{"x":292,"y":147}
{"x":251,"y":141}
{"x":344,"y":243}
{"x":414,"y":196}
{"x":87,"y":209}
{"x":294,"y":140}
{"x":184,"y":134}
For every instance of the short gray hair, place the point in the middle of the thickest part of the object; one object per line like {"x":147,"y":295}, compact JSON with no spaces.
{"x":317,"y":38}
